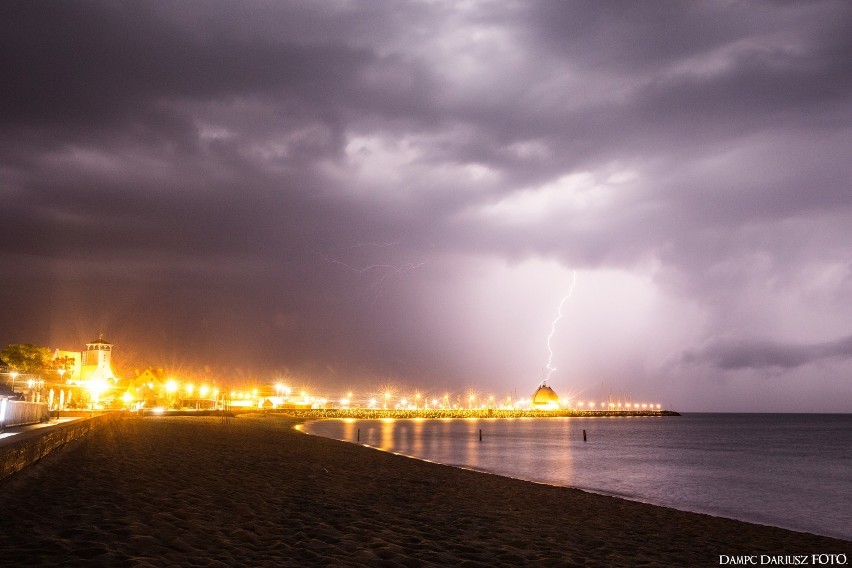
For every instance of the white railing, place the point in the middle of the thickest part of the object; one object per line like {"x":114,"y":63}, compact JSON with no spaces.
{"x":16,"y":412}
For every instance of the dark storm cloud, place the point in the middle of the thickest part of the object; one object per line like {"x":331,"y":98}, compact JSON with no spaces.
{"x":738,"y":354}
{"x":108,"y":104}
{"x":83,"y":61}
{"x":770,"y":90}
{"x":215,"y":167}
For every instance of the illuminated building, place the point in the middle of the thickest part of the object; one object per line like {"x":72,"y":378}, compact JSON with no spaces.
{"x":96,"y":364}
{"x":148,"y":386}
{"x":90,"y":371}
{"x":544,"y":398}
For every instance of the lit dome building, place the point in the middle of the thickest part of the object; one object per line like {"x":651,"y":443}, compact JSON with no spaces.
{"x":544,"y":398}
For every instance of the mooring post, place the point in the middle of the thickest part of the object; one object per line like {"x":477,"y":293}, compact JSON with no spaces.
{"x":359,"y":435}
{"x":480,"y":434}
{"x":584,"y":435}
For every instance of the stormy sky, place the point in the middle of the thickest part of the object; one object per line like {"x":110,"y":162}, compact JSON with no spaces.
{"x":352,"y":194}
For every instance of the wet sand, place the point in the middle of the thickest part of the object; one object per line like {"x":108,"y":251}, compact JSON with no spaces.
{"x":186,"y":491}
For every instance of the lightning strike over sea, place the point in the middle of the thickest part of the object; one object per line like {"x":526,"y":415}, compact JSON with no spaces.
{"x":550,"y":368}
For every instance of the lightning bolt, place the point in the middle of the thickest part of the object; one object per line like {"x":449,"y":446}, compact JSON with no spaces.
{"x":550,"y":368}
{"x":394,"y":269}
{"x":388,"y":269}
{"x":375,"y":245}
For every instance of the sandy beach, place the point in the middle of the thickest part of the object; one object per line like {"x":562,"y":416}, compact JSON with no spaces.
{"x":194,"y":491}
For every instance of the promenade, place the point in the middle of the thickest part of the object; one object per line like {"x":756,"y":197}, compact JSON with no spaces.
{"x":16,"y":433}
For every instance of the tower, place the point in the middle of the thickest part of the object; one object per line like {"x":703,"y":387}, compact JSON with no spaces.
{"x":97,"y":360}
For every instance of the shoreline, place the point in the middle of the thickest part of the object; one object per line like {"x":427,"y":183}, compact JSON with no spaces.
{"x":630,"y":498}
{"x":251,"y":491}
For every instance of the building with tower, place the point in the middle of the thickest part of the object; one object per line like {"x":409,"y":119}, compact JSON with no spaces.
{"x":86,"y":374}
{"x":93,"y":364}
{"x":96,"y":362}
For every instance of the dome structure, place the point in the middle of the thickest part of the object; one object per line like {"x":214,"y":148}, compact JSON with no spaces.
{"x":544,"y":398}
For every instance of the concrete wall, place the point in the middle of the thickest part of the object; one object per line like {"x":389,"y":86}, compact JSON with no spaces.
{"x":16,"y":412}
{"x":27,"y":448}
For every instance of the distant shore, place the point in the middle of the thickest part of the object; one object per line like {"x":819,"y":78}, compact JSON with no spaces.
{"x":250,"y":491}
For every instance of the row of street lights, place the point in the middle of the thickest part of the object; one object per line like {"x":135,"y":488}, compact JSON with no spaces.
{"x":284,"y":395}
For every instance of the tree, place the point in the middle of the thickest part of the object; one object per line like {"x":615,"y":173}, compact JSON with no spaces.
{"x":28,"y":358}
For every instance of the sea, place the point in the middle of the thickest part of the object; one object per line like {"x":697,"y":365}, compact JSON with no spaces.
{"x":786,"y":470}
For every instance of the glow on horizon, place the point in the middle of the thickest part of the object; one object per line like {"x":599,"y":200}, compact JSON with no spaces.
{"x":391,"y":398}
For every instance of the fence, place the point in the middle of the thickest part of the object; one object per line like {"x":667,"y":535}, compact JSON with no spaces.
{"x":16,"y":412}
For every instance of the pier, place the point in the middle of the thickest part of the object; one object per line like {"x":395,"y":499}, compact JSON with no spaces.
{"x":378,"y":414}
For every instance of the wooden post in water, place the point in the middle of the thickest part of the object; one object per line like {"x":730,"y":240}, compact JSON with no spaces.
{"x":584,"y":435}
{"x":480,"y":434}
{"x":359,"y":435}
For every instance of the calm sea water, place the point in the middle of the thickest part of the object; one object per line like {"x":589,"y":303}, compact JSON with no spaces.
{"x":787,"y":470}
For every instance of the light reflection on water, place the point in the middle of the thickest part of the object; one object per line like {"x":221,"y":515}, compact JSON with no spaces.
{"x":793,"y":471}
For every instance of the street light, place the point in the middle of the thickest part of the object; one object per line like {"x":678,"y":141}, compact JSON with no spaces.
{"x":171,"y":388}
{"x":96,"y":387}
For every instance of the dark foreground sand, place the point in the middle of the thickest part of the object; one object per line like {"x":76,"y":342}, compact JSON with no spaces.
{"x":196,"y":492}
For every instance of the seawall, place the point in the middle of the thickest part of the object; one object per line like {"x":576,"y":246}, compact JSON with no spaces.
{"x":26,"y":448}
